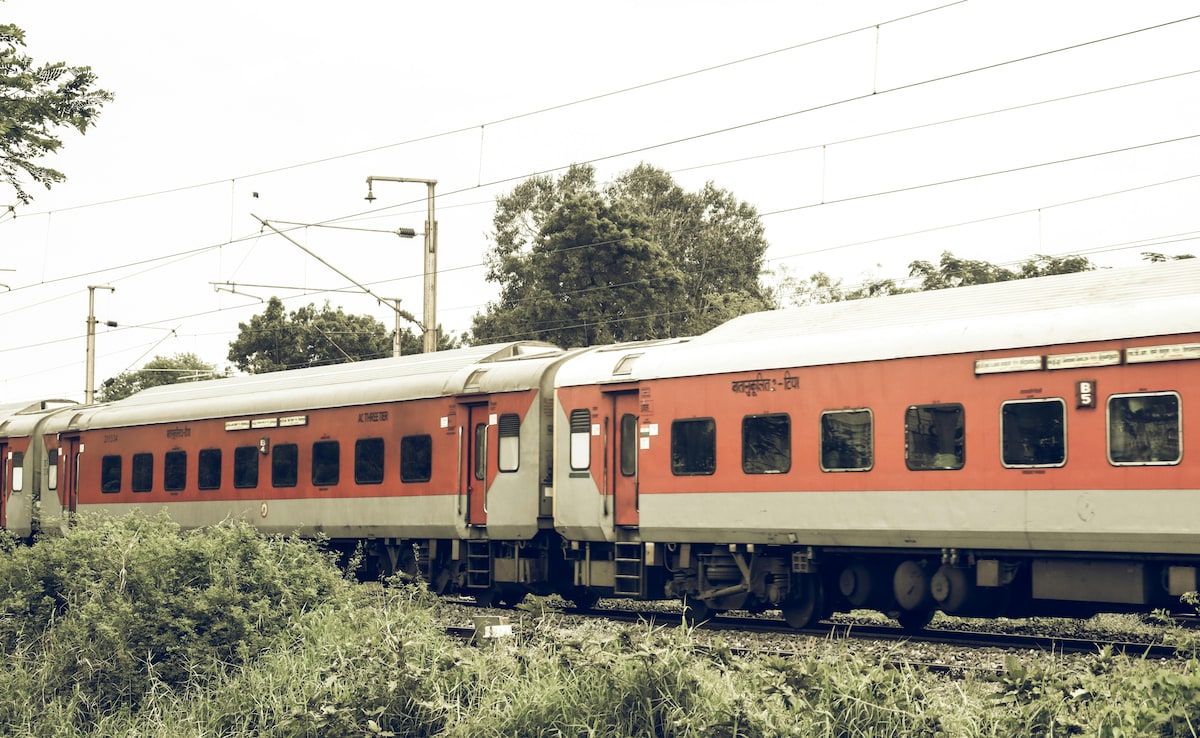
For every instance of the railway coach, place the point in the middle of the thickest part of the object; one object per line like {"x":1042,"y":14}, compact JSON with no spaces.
{"x":433,"y":464}
{"x":28,"y":470}
{"x":1015,"y":448}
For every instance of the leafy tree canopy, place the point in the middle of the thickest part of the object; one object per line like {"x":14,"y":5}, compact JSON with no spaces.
{"x":158,"y":371}
{"x":821,"y":288}
{"x":275,"y":340}
{"x":955,"y":272}
{"x":1156,"y":257}
{"x":716,"y":241}
{"x":951,"y":271}
{"x":640,"y":258}
{"x":36,"y":101}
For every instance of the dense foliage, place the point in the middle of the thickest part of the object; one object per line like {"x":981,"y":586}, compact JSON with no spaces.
{"x":36,"y":101}
{"x":579,"y":264}
{"x":136,"y":628}
{"x":158,"y":371}
{"x":953,"y":271}
{"x":275,"y":340}
{"x":100,"y":619}
{"x":950,"y":271}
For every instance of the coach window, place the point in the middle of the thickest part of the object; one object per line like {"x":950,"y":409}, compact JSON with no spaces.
{"x":766,"y":444}
{"x":934,"y":437}
{"x":693,"y":447}
{"x":326,"y":466}
{"x":110,"y":473}
{"x":1144,"y":429}
{"x":208,"y":470}
{"x":175,"y":471}
{"x":368,"y":461}
{"x":416,"y":458}
{"x":142,"y":474}
{"x":847,"y":440}
{"x":581,"y":439}
{"x":480,"y":452}
{"x":510,"y":442}
{"x":285,"y":465}
{"x":629,"y":445}
{"x":1033,"y":433}
{"x":52,"y":468}
{"x":18,"y":471}
{"x":245,"y":467}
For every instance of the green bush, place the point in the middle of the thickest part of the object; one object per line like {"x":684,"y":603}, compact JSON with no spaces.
{"x":136,"y":628}
{"x":364,"y":666}
{"x":1107,"y":695}
{"x":117,"y":609}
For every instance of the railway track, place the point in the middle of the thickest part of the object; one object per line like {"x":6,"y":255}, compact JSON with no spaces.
{"x":958,"y":638}
{"x":789,"y":640}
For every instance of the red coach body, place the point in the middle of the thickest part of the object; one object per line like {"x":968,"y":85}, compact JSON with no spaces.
{"x":949,"y":443}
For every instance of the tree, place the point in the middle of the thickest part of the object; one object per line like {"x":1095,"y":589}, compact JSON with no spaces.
{"x":1155,"y":257}
{"x":955,"y":272}
{"x":685,"y":261}
{"x":273,"y":340}
{"x":158,"y":371}
{"x":951,"y":271}
{"x":588,"y":278}
{"x":716,"y":241}
{"x":411,"y":343}
{"x":821,"y":288}
{"x":35,"y":102}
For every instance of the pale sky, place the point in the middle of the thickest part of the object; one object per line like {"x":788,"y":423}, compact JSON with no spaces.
{"x":867,"y":135}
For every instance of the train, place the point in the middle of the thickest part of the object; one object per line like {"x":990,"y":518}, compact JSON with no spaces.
{"x":1010,"y":449}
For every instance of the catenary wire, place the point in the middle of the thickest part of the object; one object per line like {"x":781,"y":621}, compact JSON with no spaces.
{"x":519,"y":116}
{"x":923,"y":82}
{"x":739,"y":126}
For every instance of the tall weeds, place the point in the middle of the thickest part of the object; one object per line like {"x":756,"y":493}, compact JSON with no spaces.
{"x":135,"y":628}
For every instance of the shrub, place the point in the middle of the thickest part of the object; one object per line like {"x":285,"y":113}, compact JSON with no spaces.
{"x":117,"y":609}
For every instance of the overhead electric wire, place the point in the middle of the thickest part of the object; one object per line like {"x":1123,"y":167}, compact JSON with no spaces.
{"x":308,"y":292}
{"x":985,"y":219}
{"x":519,"y":116}
{"x":942,"y":122}
{"x":874,"y":93}
{"x":711,"y":133}
{"x":993,"y":173}
{"x":835,"y":103}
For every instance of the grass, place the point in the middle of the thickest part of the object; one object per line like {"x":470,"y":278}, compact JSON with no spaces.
{"x":135,"y":628}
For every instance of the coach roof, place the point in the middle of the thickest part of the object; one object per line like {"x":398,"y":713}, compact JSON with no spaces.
{"x":359,"y":383}
{"x":1148,"y":300}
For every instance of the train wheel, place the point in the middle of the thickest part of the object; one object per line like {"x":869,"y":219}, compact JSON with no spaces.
{"x":910,"y":585}
{"x":806,"y":604}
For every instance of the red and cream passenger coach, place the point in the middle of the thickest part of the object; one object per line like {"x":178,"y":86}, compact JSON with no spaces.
{"x":1014,"y":447}
{"x":1006,"y":449}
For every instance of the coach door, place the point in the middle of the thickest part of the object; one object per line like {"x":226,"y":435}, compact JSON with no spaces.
{"x":68,"y":481}
{"x":621,"y":457}
{"x":4,"y":469}
{"x":475,"y":439}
